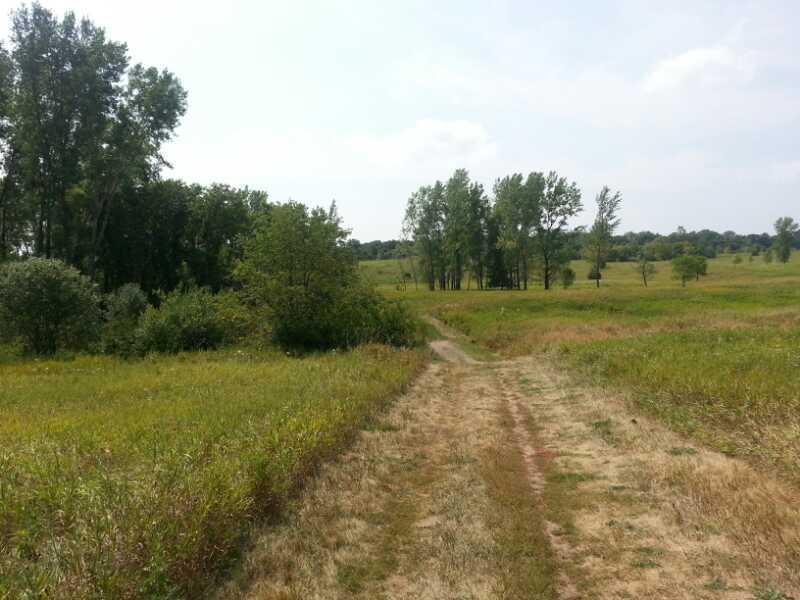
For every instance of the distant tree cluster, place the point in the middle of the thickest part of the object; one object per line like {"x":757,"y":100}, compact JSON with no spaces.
{"x":376,"y":249}
{"x":519,"y":235}
{"x":632,"y":245}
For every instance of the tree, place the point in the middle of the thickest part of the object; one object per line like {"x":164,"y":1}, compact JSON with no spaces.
{"x":81,"y":126}
{"x":512,"y":238}
{"x":645,"y":268}
{"x":686,"y":267}
{"x":456,"y":227}
{"x":598,"y":241}
{"x":476,"y":232}
{"x":300,"y":267}
{"x":559,"y":202}
{"x":48,"y":305}
{"x":785,"y":228}
{"x":424,"y":223}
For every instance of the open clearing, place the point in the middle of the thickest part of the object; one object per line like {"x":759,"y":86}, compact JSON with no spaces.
{"x":506,"y":479}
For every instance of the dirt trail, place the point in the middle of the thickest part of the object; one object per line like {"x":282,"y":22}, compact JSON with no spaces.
{"x":602,"y":504}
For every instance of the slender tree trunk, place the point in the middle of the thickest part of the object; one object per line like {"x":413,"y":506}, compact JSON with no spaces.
{"x":546,"y":272}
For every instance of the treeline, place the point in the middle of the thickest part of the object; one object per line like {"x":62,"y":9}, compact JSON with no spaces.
{"x":99,"y":253}
{"x":521,"y":234}
{"x":630,"y":246}
{"x":378,"y":250}
{"x":80,"y":127}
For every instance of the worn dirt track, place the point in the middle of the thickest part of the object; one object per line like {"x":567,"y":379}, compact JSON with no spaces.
{"x":627,"y":509}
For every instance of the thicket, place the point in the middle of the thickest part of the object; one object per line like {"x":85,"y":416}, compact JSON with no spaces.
{"x":299,"y":266}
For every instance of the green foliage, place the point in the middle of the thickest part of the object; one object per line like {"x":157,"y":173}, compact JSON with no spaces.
{"x":688,"y":266}
{"x":238,"y":321}
{"x":124,"y":307}
{"x":185,"y":320}
{"x":598,"y":241}
{"x":48,"y":305}
{"x":785,"y":229}
{"x":768,"y":256}
{"x":298,"y":265}
{"x":737,"y":259}
{"x":645,"y":268}
{"x":141,"y":479}
{"x":567,"y":277}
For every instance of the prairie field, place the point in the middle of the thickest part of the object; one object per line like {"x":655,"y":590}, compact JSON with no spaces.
{"x":142,"y":478}
{"x":718,"y":360}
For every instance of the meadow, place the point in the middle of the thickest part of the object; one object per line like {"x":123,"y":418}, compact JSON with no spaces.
{"x":718,"y":360}
{"x":142,"y":478}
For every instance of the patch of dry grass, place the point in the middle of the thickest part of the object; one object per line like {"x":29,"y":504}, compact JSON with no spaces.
{"x":761,"y":515}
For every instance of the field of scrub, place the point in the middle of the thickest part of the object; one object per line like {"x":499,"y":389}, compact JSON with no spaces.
{"x":142,"y":478}
{"x":718,"y":360}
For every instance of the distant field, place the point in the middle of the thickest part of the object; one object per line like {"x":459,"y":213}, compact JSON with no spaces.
{"x":719,"y":359}
{"x":139,"y":479}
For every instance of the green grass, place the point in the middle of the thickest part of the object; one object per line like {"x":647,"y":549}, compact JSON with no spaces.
{"x":718,"y":360}
{"x":141,"y":478}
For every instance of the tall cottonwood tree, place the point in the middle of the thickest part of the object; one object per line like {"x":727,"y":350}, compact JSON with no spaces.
{"x":598,"y":240}
{"x":560,"y":201}
{"x":81,"y":126}
{"x":424,"y":223}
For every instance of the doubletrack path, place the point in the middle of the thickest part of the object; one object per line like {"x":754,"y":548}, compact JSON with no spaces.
{"x":505,"y":479}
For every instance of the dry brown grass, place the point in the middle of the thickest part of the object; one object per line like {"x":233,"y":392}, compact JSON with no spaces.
{"x":634,"y":514}
{"x":760,"y":514}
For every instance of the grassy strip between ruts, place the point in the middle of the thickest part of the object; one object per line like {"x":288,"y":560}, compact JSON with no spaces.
{"x":128,"y":479}
{"x":526,"y":561}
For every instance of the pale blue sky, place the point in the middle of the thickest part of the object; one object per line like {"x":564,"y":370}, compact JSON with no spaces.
{"x":691,"y":109}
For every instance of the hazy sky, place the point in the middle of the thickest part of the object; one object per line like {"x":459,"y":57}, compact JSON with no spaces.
{"x":691,"y":109}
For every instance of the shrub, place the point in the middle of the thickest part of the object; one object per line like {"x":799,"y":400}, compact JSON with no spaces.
{"x":737,"y":259}
{"x":184,"y":321}
{"x":238,"y":320}
{"x":48,"y":305}
{"x":124,"y":307}
{"x":567,"y":277}
{"x":346,"y":318}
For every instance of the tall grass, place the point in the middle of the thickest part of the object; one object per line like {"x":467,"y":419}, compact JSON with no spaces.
{"x":128,"y":479}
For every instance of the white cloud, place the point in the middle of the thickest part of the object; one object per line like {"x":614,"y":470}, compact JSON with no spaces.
{"x":712,"y":65}
{"x":429,"y":147}
{"x":430,"y":142}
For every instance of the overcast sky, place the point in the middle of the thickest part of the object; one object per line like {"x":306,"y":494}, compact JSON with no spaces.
{"x":691,"y":109}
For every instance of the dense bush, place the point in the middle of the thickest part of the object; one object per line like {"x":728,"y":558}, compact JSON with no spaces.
{"x":238,"y":320}
{"x":567,"y":277}
{"x":124,"y":307}
{"x":48,"y":305}
{"x":347,"y":318}
{"x":184,"y":321}
{"x":298,"y":265}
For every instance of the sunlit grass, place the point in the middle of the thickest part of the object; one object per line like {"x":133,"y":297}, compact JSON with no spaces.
{"x":718,"y":360}
{"x":122,"y":479}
